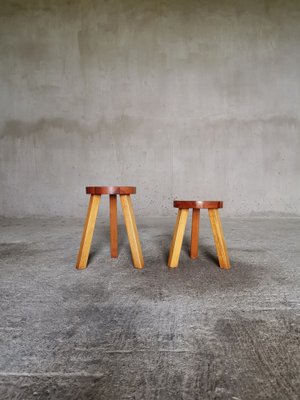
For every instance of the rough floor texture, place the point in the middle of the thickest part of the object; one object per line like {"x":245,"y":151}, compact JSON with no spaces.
{"x":113,"y":332}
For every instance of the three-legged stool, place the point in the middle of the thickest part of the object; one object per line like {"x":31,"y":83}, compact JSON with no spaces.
{"x":95,"y":193}
{"x":215,"y":221}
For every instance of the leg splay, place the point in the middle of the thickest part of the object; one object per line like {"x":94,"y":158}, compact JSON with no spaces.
{"x":177,"y":238}
{"x":132,"y":232}
{"x":218,"y":234}
{"x":88,"y":231}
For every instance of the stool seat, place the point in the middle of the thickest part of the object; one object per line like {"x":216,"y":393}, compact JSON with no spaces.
{"x":198,"y":204}
{"x":98,"y":190}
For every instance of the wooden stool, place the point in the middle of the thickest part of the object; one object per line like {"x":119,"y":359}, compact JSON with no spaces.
{"x":87,"y":235}
{"x":215,"y":221}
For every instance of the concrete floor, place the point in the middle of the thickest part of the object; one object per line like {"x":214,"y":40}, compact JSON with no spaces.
{"x":113,"y":332}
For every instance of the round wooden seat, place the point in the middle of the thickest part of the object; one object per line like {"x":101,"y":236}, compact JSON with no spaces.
{"x":198,"y":204}
{"x":98,"y":190}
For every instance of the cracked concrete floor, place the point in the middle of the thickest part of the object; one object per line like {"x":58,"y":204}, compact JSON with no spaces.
{"x":113,"y":332}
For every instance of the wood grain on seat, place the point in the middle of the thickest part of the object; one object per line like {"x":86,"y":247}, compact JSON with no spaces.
{"x":197,"y":204}
{"x":110,"y":190}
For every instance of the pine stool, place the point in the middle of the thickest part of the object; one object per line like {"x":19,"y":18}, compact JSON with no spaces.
{"x":95,"y":193}
{"x":215,"y":221}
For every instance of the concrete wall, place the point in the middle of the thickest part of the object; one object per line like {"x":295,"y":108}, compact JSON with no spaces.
{"x":191,"y":99}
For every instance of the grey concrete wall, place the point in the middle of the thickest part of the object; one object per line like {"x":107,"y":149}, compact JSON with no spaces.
{"x":190,"y":99}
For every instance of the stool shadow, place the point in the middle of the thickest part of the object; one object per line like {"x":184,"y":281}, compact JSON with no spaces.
{"x":101,"y":241}
{"x":168,"y":240}
{"x":209,"y":254}
{"x":186,"y":246}
{"x":104,"y":241}
{"x":205,"y":251}
{"x":92,"y":255}
{"x":167,"y":243}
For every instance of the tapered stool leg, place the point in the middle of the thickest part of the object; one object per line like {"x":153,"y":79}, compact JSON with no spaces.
{"x":88,"y":231}
{"x":132,"y":232}
{"x":195,"y":233}
{"x":177,"y":237}
{"x":113,"y":225}
{"x":218,"y":234}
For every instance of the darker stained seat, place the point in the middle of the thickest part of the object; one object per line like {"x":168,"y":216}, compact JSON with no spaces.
{"x":197,"y":204}
{"x":98,"y":190}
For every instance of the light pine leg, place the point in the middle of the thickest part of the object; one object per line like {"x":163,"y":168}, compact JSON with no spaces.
{"x":132,"y":232}
{"x":195,"y":233}
{"x":88,"y":231}
{"x":177,"y":237}
{"x":218,"y":234}
{"x":113,"y":225}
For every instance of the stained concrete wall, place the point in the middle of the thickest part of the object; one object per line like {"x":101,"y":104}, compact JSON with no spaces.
{"x":191,"y":99}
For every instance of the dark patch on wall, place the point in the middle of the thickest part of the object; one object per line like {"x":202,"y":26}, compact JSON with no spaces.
{"x":119,"y":126}
{"x":16,"y":129}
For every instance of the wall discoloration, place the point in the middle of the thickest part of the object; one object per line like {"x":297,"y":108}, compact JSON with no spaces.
{"x":182,"y":99}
